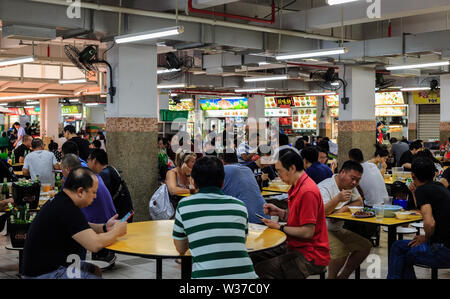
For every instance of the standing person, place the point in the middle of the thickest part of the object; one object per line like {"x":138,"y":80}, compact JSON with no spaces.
{"x":20,"y":134}
{"x":241,"y":184}
{"x":101,"y":137}
{"x":407,"y":157}
{"x":307,"y":251}
{"x":98,"y":162}
{"x":60,"y":230}
{"x":433,"y":248}
{"x":348,"y":249}
{"x":28,"y":129}
{"x":21,"y":150}
{"x":315,"y":170}
{"x":83,"y":145}
{"x":4,"y":142}
{"x":217,"y":232}
{"x":397,"y":149}
{"x":40,"y":162}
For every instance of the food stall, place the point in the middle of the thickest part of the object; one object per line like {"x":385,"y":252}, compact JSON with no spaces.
{"x":332,"y":102}
{"x":391,"y":109}
{"x":185,"y":105}
{"x":73,"y":115}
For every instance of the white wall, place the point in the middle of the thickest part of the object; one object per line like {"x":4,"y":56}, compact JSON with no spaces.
{"x":96,"y":115}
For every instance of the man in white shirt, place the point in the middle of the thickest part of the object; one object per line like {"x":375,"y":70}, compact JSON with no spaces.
{"x":20,"y":134}
{"x":40,"y":162}
{"x":346,"y":248}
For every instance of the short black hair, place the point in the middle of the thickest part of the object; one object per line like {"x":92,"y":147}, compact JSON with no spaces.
{"x":310,"y":154}
{"x":79,"y":177}
{"x":415,"y":145}
{"x":70,"y":147}
{"x":52,"y":146}
{"x":381,"y":151}
{"x":352,"y":165}
{"x":321,"y":150}
{"x":393,"y":140}
{"x":283,"y":139}
{"x":100,"y":155}
{"x":229,"y":158}
{"x":208,"y":172}
{"x":356,"y":154}
{"x":69,"y":128}
{"x":97,"y":143}
{"x":324,"y":144}
{"x":300,"y":143}
{"x":423,"y":168}
{"x":16,"y":123}
{"x":37,"y":143}
{"x":291,"y":158}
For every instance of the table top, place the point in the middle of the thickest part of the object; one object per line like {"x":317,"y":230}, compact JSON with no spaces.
{"x":385,"y":222}
{"x":389,"y":180}
{"x":281,"y":188}
{"x":18,"y":172}
{"x":154,"y":239}
{"x":263,"y":193}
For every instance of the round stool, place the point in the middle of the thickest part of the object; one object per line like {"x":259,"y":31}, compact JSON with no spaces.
{"x":403,"y":231}
{"x":418,"y":226}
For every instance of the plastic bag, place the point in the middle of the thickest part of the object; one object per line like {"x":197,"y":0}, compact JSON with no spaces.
{"x":160,"y":206}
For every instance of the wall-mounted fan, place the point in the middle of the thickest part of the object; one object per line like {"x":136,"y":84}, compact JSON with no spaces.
{"x":382,"y":83}
{"x":86,"y":60}
{"x":329,"y":80}
{"x":174,"y":62}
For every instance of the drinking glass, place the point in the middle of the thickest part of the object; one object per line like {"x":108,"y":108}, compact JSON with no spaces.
{"x":379,"y":212}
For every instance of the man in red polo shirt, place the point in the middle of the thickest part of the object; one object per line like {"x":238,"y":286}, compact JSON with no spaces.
{"x":307,"y":251}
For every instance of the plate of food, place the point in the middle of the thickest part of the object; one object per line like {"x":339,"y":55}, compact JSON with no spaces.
{"x":363,"y":214}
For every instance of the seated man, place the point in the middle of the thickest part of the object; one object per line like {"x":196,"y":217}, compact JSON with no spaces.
{"x":407,"y":157}
{"x":70,"y":147}
{"x":315,"y":170}
{"x":433,"y":248}
{"x":21,"y":150}
{"x":60,"y":231}
{"x":217,"y":231}
{"x":268,"y":173}
{"x":346,"y":248}
{"x":307,"y":250}
{"x":240,"y":183}
{"x":98,"y":162}
{"x":40,"y":163}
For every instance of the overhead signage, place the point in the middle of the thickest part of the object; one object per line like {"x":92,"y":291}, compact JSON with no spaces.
{"x":70,"y":110}
{"x":332,"y":101}
{"x":427,"y":97}
{"x":227,"y":113}
{"x":182,"y":105}
{"x":287,"y":102}
{"x":389,"y":98}
{"x":16,"y":111}
{"x":224,"y":104}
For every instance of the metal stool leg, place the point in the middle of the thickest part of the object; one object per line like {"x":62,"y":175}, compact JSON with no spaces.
{"x":434,"y":273}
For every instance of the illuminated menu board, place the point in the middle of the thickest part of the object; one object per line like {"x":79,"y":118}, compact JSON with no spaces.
{"x":389,"y":98}
{"x":304,"y":119}
{"x":332,"y":101}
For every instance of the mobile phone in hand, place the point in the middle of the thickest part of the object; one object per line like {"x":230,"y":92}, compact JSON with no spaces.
{"x":259,"y":216}
{"x":127,"y":216}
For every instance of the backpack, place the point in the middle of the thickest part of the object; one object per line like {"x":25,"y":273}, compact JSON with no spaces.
{"x":122,"y":198}
{"x":160,"y":207}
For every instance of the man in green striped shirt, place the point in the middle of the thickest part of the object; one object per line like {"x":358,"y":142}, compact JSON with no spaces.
{"x":214,"y":226}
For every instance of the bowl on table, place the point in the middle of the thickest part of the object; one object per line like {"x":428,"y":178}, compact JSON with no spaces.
{"x":354,"y":209}
{"x":402,"y":215}
{"x":389,"y":210}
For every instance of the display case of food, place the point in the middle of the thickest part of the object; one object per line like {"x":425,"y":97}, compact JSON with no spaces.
{"x":304,"y":119}
{"x":334,"y":112}
{"x":389,"y":98}
{"x":390,"y":110}
{"x":332,"y":100}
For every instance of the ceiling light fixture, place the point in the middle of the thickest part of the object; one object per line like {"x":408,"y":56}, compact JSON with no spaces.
{"x":268,"y":78}
{"x":18,"y":60}
{"x":165,"y":71}
{"x":32,"y":96}
{"x":336,"y":2}
{"x":415,"y":88}
{"x":73,"y":81}
{"x":33,"y":103}
{"x":250,"y":90}
{"x":152,"y":34}
{"x":320,"y":94}
{"x":309,"y":54}
{"x":417,"y":66}
{"x":167,"y":86}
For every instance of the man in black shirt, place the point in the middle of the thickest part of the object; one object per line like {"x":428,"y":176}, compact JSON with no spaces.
{"x":83,"y":144}
{"x":19,"y":152}
{"x":407,"y":157}
{"x":433,"y":248}
{"x":445,"y":178}
{"x":60,"y":230}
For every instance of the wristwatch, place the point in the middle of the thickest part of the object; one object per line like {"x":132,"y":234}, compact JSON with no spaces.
{"x":282,"y":227}
{"x":104,"y":228}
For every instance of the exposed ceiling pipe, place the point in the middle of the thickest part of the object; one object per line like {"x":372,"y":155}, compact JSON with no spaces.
{"x":226,"y":15}
{"x":228,"y":93}
{"x":312,"y":65}
{"x":162,"y":15}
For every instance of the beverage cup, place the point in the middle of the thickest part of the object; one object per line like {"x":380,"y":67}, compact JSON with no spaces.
{"x":379,"y":212}
{"x":274,"y":218}
{"x":46,"y":187}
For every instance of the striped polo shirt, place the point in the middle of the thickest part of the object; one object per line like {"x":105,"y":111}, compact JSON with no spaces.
{"x":216,"y":226}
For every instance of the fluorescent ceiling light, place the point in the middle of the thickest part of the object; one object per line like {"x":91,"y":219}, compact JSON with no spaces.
{"x":250,"y":90}
{"x":178,"y":85}
{"x":336,"y":2}
{"x":3,"y":104}
{"x":335,"y":83}
{"x":18,"y":60}
{"x":165,"y":71}
{"x":415,"y":88}
{"x":395,"y":87}
{"x":309,"y":54}
{"x":268,"y":78}
{"x":32,"y":96}
{"x":417,"y":66}
{"x":91,"y":104}
{"x":33,"y":103}
{"x":74,"y":100}
{"x":129,"y":38}
{"x":72,"y":81}
{"x":263,"y":63}
{"x":320,"y":94}
{"x":28,"y":107}
{"x":233,"y":98}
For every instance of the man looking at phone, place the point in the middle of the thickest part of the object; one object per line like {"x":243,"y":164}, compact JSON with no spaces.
{"x":307,"y":250}
{"x":346,"y":248}
{"x":60,"y":230}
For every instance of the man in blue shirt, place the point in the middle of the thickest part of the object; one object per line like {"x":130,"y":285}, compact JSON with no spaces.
{"x":315,"y":170}
{"x":70,"y":147}
{"x":240,"y":183}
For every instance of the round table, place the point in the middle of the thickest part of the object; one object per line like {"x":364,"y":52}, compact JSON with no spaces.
{"x":153,"y":239}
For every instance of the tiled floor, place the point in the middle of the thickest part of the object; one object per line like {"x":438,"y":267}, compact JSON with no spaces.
{"x":127,"y":267}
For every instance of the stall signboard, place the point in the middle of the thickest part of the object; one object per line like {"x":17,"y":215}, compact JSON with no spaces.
{"x":427,"y":97}
{"x":390,"y":110}
{"x":389,"y":98}
{"x":305,"y":101}
{"x":16,"y":111}
{"x":304,"y":119}
{"x":70,"y":110}
{"x":182,"y":105}
{"x":281,"y":112}
{"x":332,"y":101}
{"x":227,"y":113}
{"x":286,"y":102}
{"x":224,"y":104}
{"x":334,"y":112}
{"x":32,"y":111}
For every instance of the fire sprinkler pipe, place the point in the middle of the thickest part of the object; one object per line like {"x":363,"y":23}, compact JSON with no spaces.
{"x":221,"y":14}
